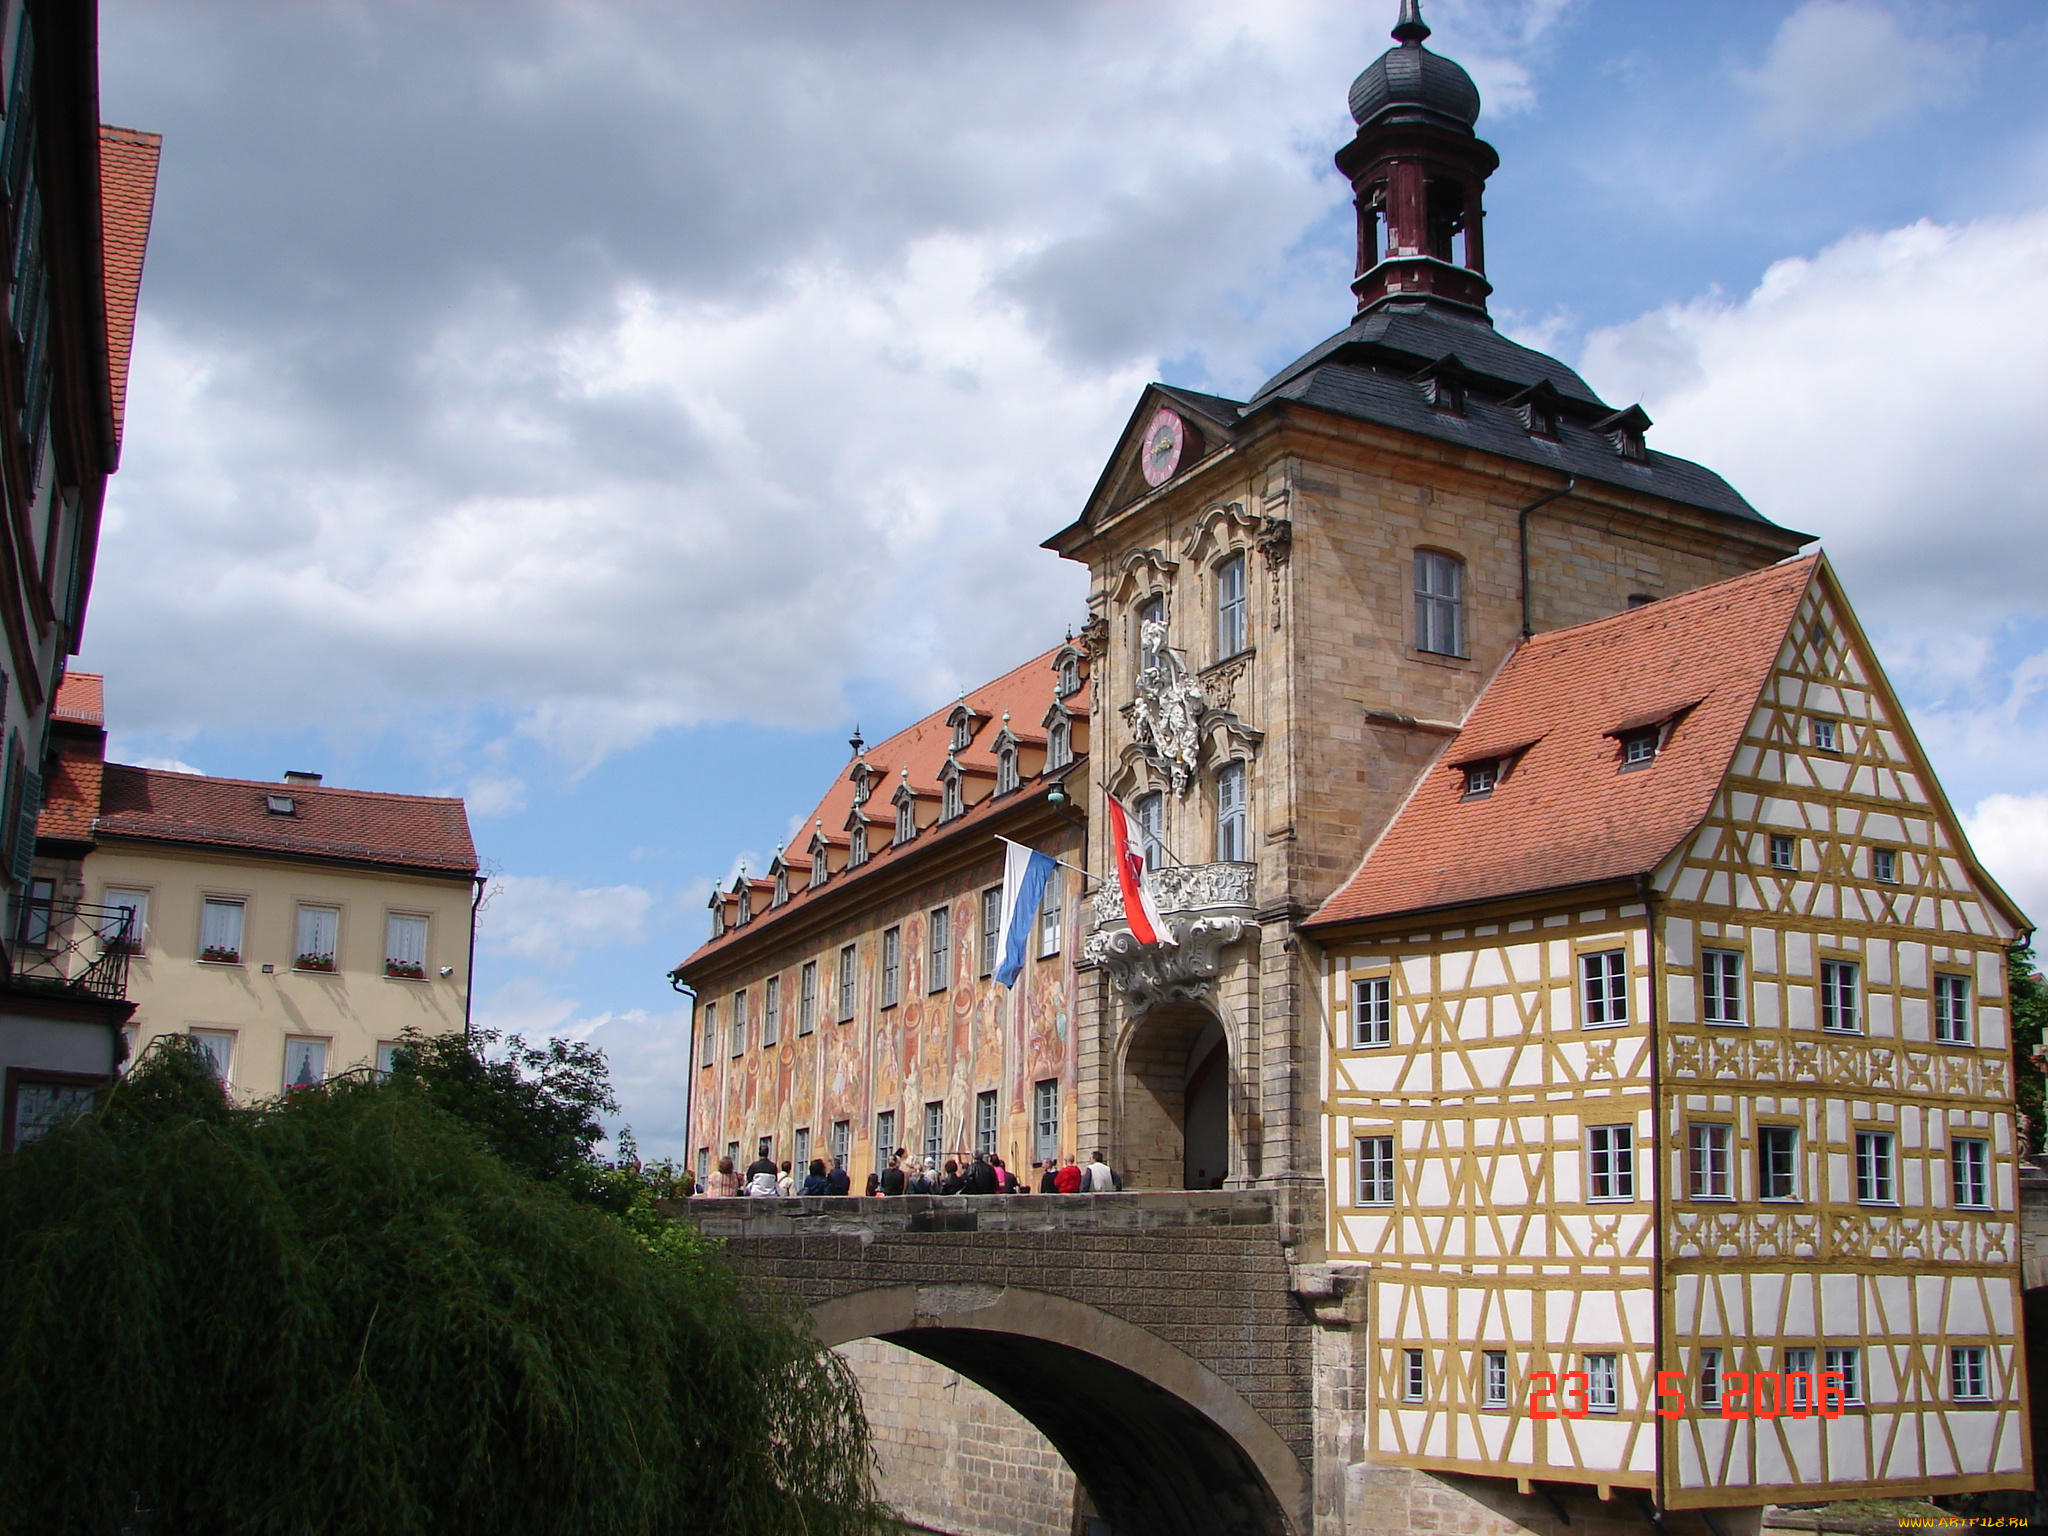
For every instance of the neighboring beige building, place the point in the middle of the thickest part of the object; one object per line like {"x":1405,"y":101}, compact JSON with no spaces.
{"x":296,"y":930}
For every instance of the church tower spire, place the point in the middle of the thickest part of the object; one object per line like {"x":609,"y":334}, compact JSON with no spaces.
{"x":1418,"y":171}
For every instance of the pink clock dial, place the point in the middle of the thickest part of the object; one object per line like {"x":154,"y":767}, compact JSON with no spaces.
{"x":1166,"y":437}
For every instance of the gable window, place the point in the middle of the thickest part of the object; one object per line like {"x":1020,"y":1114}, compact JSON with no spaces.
{"x":319,"y":928}
{"x":1049,"y":917}
{"x":1230,"y":628}
{"x":807,"y":998}
{"x":985,"y":1121}
{"x":857,"y":854}
{"x":1777,"y":1162}
{"x":951,"y":806}
{"x":892,"y":967}
{"x":1375,"y":1158}
{"x":1611,"y":1162}
{"x":819,"y":867}
{"x":220,"y":931}
{"x":710,"y":1011}
{"x":405,"y":946}
{"x":781,"y":885}
{"x":1439,"y":603}
{"x":1059,"y":744}
{"x":1603,"y":986}
{"x":1151,"y":611}
{"x":1069,"y":675}
{"x":1823,"y":734}
{"x":991,"y":927}
{"x":1006,"y":769}
{"x":1480,"y":778}
{"x":1884,"y":865}
{"x":1969,"y":1161}
{"x":1784,"y":851}
{"x":738,"y":1024}
{"x":771,"y":1010}
{"x":939,"y":964}
{"x":1372,"y":1012}
{"x":1721,"y":986}
{"x":846,"y":985}
{"x":906,"y":819}
{"x":1706,"y":1161}
{"x":1838,"y":996}
{"x":1639,"y":748}
{"x":963,"y":729}
{"x":1151,"y":814}
{"x":1874,"y":1165}
{"x":1233,"y":831}
{"x":1951,"y":1008}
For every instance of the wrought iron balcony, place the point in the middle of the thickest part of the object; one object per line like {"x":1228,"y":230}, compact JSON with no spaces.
{"x":1205,"y":907}
{"x":73,"y":949}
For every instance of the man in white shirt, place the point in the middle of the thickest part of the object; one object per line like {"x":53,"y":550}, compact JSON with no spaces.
{"x":1099,"y":1180}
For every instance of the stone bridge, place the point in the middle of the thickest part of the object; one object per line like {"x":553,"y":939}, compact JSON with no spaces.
{"x":1152,"y":1337}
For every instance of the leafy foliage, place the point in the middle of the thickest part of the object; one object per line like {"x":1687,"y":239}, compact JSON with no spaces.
{"x":339,"y":1312}
{"x":535,"y":1106}
{"x":2029,"y":1033}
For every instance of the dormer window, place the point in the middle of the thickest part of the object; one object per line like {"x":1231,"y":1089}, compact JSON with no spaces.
{"x":906,"y":819}
{"x":950,"y":806}
{"x":1069,"y":668}
{"x":280,"y":805}
{"x":717,"y":905}
{"x":1639,"y":747}
{"x":781,"y":884}
{"x":857,"y":853}
{"x":962,"y":721}
{"x":1480,"y":778}
{"x":1006,"y":768}
{"x":863,"y":777}
{"x":1625,"y":429}
{"x":1444,"y":384}
{"x":742,"y":907}
{"x":1059,"y":744}
{"x":1540,"y":407}
{"x":820,"y":870}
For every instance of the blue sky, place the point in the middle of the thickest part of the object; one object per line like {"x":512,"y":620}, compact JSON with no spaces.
{"x":594,"y":410}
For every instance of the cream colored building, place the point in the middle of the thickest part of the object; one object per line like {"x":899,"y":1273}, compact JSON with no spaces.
{"x":296,"y":930}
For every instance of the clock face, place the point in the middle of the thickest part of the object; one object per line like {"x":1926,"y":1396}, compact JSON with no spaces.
{"x":1166,"y":435}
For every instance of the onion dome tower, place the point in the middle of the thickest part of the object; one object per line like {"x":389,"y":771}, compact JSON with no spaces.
{"x":1418,"y":170}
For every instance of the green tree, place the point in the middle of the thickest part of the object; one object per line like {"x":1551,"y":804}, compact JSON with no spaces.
{"x":535,"y":1106}
{"x":340,"y":1312}
{"x":2029,"y":1030}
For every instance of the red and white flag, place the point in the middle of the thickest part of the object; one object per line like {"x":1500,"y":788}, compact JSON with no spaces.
{"x":1147,"y":927}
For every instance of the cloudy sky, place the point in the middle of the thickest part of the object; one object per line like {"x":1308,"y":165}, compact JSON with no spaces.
{"x":595,"y":409}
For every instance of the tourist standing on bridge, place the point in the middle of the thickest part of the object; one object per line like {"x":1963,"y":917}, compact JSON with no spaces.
{"x":786,"y":1185}
{"x":1099,"y":1178}
{"x":721,"y":1182}
{"x":951,"y":1183}
{"x":981,"y":1179}
{"x":814,"y":1178}
{"x":1048,"y":1181}
{"x":891,"y":1180}
{"x":838,"y":1181}
{"x":1068,"y":1180}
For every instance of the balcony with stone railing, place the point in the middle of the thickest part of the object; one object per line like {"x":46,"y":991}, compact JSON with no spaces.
{"x":1206,"y":908}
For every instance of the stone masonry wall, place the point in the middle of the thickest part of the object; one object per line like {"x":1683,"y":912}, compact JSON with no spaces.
{"x":954,"y":1458}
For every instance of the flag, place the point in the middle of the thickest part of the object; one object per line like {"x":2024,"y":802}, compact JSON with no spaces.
{"x":1147,"y":927}
{"x":1025,"y":871}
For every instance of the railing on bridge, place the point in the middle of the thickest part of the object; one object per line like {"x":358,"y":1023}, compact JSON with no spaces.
{"x":825,"y":1215}
{"x":72,"y":949}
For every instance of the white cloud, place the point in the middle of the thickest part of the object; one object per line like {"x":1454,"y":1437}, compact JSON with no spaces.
{"x":163,"y":764}
{"x":1837,"y":70}
{"x":551,"y":921}
{"x":2010,"y":834}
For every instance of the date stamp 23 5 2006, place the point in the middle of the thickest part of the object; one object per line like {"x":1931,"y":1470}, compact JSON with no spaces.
{"x":1738,"y":1395}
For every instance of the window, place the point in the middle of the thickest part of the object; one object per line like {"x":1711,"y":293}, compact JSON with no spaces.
{"x":1494,"y":1379}
{"x":1784,"y":851}
{"x":732,"y":1151}
{"x":1049,"y":917}
{"x":1969,"y":1162}
{"x":1439,"y":603}
{"x":885,"y":1135}
{"x":1707,"y":1161}
{"x":1059,"y":744}
{"x":963,"y":729}
{"x":1413,"y":1380}
{"x":1603,"y":986}
{"x":220,"y":931}
{"x":1233,"y":840}
{"x":1375,"y":1156}
{"x":1969,"y":1376}
{"x":1611,"y":1162}
{"x":1151,"y":611}
{"x":1045,"y":1118}
{"x":1777,"y":1162}
{"x":771,"y":1010}
{"x":1952,"y":1008}
{"x":807,"y":998}
{"x":136,"y":905}
{"x":739,"y":1022}
{"x":1070,"y":675}
{"x":951,"y":805}
{"x":1710,"y":1378}
{"x":1798,"y":1379}
{"x":781,"y":885}
{"x":856,"y":854}
{"x":819,"y":865}
{"x":801,"y":1150}
{"x":43,"y":1102}
{"x":1639,"y":747}
{"x":703,"y":1165}
{"x":764,"y":1146}
{"x":1838,"y":995}
{"x":405,"y":947}
{"x":991,"y":927}
{"x":939,"y":966}
{"x":37,"y":914}
{"x":280,"y":805}
{"x":1603,"y":1384}
{"x":319,"y":928}
{"x":846,"y":985}
{"x":1721,"y":986}
{"x":1848,"y":1364}
{"x":934,"y":1130}
{"x":906,"y":819}
{"x":1006,"y":770}
{"x":1230,"y":607}
{"x":1884,"y":865}
{"x":305,"y":1062}
{"x":842,"y":1142}
{"x":1823,"y":734}
{"x":1874,"y":1168}
{"x":710,"y":1034}
{"x":892,"y":967}
{"x":1372,"y":1012}
{"x":985,"y":1121}
{"x":1480,"y":778}
{"x":387,"y":1057}
{"x":1151,"y":813}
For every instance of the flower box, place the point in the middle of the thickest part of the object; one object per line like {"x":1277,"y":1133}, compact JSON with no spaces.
{"x":405,"y":970}
{"x":313,"y":963}
{"x":219,"y":956}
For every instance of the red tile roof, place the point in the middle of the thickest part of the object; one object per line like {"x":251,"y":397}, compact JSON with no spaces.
{"x":419,"y":832}
{"x":1565,"y":815}
{"x":128,"y":161}
{"x":71,"y":793}
{"x":81,"y":697}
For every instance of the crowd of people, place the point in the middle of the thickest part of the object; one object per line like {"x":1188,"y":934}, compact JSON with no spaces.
{"x":984,"y":1173}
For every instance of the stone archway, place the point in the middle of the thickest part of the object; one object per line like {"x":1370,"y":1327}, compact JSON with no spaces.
{"x":1163,"y":1445}
{"x":1174,"y":1098}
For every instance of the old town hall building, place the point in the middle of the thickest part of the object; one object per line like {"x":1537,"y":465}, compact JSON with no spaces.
{"x":1570,"y":927}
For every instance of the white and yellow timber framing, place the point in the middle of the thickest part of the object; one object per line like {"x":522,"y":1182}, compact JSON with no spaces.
{"x":1492,"y":1081}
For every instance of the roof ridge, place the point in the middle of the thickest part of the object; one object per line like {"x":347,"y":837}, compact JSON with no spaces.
{"x":281,"y":786}
{"x":1663,"y":608}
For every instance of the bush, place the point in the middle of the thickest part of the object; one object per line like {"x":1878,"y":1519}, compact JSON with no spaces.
{"x":339,"y":1312}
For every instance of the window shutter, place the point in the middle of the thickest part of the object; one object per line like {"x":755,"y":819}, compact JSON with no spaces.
{"x":25,"y":830}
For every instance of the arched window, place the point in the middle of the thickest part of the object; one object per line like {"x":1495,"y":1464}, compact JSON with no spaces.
{"x":1233,"y":827}
{"x":1151,"y":813}
{"x":781,"y":884}
{"x":963,"y":729}
{"x":1006,"y":770}
{"x":951,"y":806}
{"x":1439,"y":603}
{"x":1230,"y":627}
{"x":1059,"y":744}
{"x":859,"y":852}
{"x":819,"y":869}
{"x":1070,"y":674}
{"x":906,"y":819}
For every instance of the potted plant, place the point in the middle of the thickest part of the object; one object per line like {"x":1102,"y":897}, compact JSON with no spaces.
{"x":220,"y":954}
{"x":313,"y":963}
{"x":407,"y":970}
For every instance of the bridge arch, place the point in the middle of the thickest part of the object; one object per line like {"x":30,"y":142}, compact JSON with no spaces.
{"x":1162,"y":1444}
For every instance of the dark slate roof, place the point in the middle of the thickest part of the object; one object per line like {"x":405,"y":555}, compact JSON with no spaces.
{"x":1411,"y":83}
{"x":1425,"y":332}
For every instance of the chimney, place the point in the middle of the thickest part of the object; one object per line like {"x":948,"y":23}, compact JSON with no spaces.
{"x":292,"y":776}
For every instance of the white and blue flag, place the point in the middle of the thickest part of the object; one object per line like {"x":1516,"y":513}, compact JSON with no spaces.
{"x":1025,"y":872}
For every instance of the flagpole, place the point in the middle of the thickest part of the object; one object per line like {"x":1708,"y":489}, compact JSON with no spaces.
{"x":1063,"y":864}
